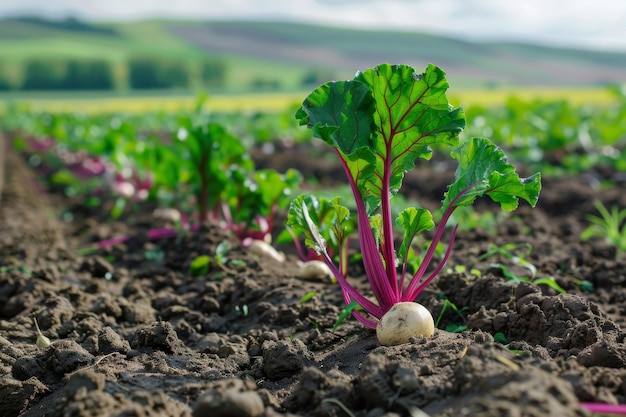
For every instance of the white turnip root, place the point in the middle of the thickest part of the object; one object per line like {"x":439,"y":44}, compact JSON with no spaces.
{"x":404,"y":321}
{"x":167,"y":214}
{"x":316,"y":271}
{"x":262,"y":248}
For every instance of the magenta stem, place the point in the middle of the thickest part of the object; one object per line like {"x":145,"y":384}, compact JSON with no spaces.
{"x":605,"y":408}
{"x":154,"y":234}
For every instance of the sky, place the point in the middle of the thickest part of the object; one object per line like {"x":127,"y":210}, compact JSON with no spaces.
{"x":599,"y":24}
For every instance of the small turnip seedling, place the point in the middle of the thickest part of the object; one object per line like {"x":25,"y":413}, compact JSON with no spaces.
{"x":306,"y":297}
{"x":42,"y":341}
{"x":611,"y":225}
{"x":451,"y":327}
{"x":200,"y":265}
{"x":243,"y":310}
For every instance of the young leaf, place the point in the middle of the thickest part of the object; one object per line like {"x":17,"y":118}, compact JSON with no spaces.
{"x":550,"y":282}
{"x":347,"y":310}
{"x":341,"y":114}
{"x":200,"y":265}
{"x":301,"y":220}
{"x":306,"y":297}
{"x":413,"y":221}
{"x":342,"y":214}
{"x":412,"y":112}
{"x":484,"y":169}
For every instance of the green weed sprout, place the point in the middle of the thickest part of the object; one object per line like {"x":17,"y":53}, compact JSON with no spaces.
{"x":610,"y":225}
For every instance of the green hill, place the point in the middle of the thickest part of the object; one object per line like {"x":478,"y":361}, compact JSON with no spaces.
{"x":285,"y":56}
{"x":475,"y":63}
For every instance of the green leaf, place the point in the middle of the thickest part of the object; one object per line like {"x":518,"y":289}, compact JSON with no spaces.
{"x":212,"y":152}
{"x":376,"y":221}
{"x":484,"y":169}
{"x":306,"y":297}
{"x":221,"y":250}
{"x":508,"y":274}
{"x":275,"y":188}
{"x":456,"y":328}
{"x":168,"y":168}
{"x":586,"y":286}
{"x":64,"y":177}
{"x":339,"y":223}
{"x":413,"y":221}
{"x":341,"y":213}
{"x":118,"y":207}
{"x":361,"y":165}
{"x":550,"y":282}
{"x":500,"y":337}
{"x":341,"y":114}
{"x":382,"y":121}
{"x":347,"y":310}
{"x":303,"y":221}
{"x":200,"y":265}
{"x":412,"y":113}
{"x":333,"y":221}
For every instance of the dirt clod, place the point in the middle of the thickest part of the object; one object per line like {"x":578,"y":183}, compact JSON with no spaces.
{"x":282,"y":359}
{"x":159,"y":336}
{"x":230,"y":398}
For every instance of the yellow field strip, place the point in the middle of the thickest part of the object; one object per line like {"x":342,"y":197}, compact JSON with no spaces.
{"x":277,"y":102}
{"x":495,"y":97}
{"x":270,"y":102}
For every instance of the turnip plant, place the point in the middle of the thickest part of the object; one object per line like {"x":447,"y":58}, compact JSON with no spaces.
{"x":325,"y":217}
{"x":378,"y":124}
{"x":226,"y":186}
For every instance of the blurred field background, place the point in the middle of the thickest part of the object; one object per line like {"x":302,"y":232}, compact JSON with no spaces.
{"x":68,"y":64}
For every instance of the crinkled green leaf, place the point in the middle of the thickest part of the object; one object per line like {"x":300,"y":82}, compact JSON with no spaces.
{"x":413,"y":221}
{"x":412,"y":113}
{"x":340,"y":113}
{"x":484,"y":169}
{"x":382,"y":121}
{"x":242,"y":196}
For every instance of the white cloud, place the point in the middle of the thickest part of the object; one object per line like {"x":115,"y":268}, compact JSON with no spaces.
{"x":597,"y":23}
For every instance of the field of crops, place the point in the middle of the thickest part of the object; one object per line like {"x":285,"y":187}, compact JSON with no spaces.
{"x":274,"y":102}
{"x":185,"y":256}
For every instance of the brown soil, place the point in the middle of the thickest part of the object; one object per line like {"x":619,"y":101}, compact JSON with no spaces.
{"x":134,"y":334}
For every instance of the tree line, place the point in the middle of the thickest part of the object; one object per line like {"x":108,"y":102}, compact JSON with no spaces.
{"x":98,"y":74}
